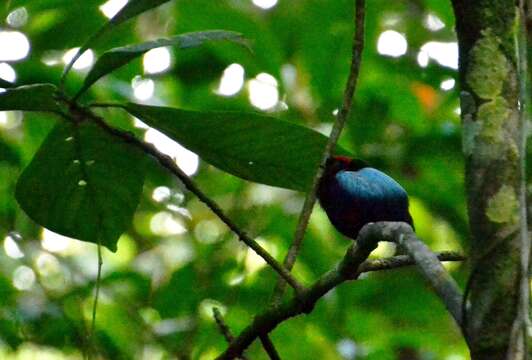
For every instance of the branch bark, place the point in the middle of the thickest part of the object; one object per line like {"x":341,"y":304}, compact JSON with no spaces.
{"x":353,"y":264}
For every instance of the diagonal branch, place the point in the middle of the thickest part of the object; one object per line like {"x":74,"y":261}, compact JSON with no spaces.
{"x":224,"y":329}
{"x":343,"y":114}
{"x":168,"y":163}
{"x":353,"y":264}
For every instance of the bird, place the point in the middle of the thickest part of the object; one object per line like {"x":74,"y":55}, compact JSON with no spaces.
{"x":354,"y":194}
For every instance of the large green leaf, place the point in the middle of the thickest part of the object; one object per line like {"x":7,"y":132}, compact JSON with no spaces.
{"x":249,"y":145}
{"x":115,"y":58}
{"x":38,"y":97}
{"x":83,"y":183}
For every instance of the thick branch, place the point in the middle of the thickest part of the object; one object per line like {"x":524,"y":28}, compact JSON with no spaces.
{"x":343,"y":114}
{"x":168,"y":163}
{"x":430,"y":267}
{"x":352,"y":265}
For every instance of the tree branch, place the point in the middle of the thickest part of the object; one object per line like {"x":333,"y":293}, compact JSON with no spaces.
{"x":343,"y":114}
{"x":224,"y":329}
{"x":168,"y":163}
{"x":353,"y":264}
{"x":429,"y":266}
{"x":268,"y":346}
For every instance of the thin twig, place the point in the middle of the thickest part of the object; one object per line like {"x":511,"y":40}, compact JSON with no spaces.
{"x":168,"y":163}
{"x":96,"y":296}
{"x":343,"y":114}
{"x":268,"y":346}
{"x":224,"y":329}
{"x":353,"y":264}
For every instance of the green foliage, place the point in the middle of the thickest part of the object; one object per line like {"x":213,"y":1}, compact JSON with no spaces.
{"x":115,"y":58}
{"x":176,"y":260}
{"x":38,"y":97}
{"x":251,"y":146}
{"x":83,"y":183}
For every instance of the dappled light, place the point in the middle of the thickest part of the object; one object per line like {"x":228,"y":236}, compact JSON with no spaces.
{"x":15,"y":46}
{"x":392,"y":43}
{"x":157,"y":60}
{"x":263,"y":92}
{"x":111,"y":7}
{"x":232,"y":80}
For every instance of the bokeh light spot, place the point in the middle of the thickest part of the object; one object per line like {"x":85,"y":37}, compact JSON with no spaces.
{"x":392,"y":43}
{"x":15,"y":46}
{"x":157,"y":60}
{"x":263,"y":92}
{"x":232,"y":80}
{"x":112,"y":7}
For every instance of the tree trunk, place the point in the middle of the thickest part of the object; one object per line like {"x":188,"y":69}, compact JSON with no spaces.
{"x":493,"y":144}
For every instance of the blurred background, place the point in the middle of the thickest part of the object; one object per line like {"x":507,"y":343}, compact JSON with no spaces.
{"x":178,"y":260}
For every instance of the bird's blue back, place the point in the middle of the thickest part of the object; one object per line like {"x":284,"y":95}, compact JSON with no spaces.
{"x":354,"y":198}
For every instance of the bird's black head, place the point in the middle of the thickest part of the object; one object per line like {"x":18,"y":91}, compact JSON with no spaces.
{"x":335,"y":164}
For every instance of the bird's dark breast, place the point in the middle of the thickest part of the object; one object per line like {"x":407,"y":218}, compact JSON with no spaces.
{"x":352,"y":199}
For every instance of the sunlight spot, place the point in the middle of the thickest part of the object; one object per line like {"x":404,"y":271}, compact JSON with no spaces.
{"x":47,"y":264}
{"x":254,"y":262}
{"x":392,"y":43}
{"x":10,"y":119}
{"x":384,"y":249}
{"x":54,"y":242}
{"x":263,"y":92}
{"x":433,"y":23}
{"x":447,"y":84}
{"x":457,"y":110}
{"x":347,"y":349}
{"x":206,"y":306}
{"x":76,"y":162}
{"x":265,"y":4}
{"x":85,"y":61}
{"x":143,"y":89}
{"x":69,"y":139}
{"x":15,"y":46}
{"x":161,"y":193}
{"x":423,"y":59}
{"x":165,"y":224}
{"x":207,"y":232}
{"x":18,"y":17}
{"x":232,"y":80}
{"x":445,"y":53}
{"x":139,"y":124}
{"x":11,"y":248}
{"x":51,"y":58}
{"x":82,"y":183}
{"x":23,"y":277}
{"x":185,"y":159}
{"x":7,"y":72}
{"x":90,"y":162}
{"x":156,"y":60}
{"x":112,"y":7}
{"x":455,"y":357}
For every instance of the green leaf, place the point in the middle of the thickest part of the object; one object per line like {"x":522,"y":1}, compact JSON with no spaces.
{"x":249,"y":145}
{"x":5,"y":84}
{"x":130,"y":10}
{"x":134,"y":8}
{"x":38,"y":97}
{"x":115,"y":58}
{"x":83,"y":183}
